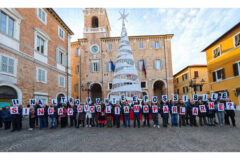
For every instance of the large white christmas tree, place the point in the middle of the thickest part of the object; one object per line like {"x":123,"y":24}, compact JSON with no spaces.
{"x":125,"y":79}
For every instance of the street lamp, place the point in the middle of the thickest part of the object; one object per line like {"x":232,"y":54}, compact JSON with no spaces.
{"x":88,"y":88}
{"x":193,"y":84}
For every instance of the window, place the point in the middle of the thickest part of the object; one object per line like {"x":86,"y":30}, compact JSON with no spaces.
{"x":177,"y":80}
{"x":199,"y":88}
{"x":75,"y":87}
{"x":61,"y":81}
{"x":218,"y":75}
{"x":61,"y":56}
{"x":157,"y":64}
{"x":185,"y":89}
{"x":7,"y":64}
{"x":216,"y":52}
{"x":42,"y":15}
{"x":41,"y":75}
{"x":40,"y":45}
{"x":109,"y":86}
{"x":77,"y":52}
{"x":143,"y":84}
{"x":184,"y":77}
{"x":195,"y":74}
{"x":177,"y":91}
{"x":76,"y":69}
{"x":95,"y":66}
{"x":140,"y":64}
{"x":236,"y":68}
{"x":141,"y":45}
{"x":156,"y":44}
{"x":237,"y":40}
{"x":110,"y":46}
{"x":94,"y":22}
{"x":6,"y":24}
{"x":61,"y":33}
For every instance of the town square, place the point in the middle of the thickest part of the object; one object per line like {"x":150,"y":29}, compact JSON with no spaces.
{"x":101,"y":79}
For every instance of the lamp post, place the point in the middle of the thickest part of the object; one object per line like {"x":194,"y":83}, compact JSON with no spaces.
{"x":88,"y":88}
{"x":193,"y":84}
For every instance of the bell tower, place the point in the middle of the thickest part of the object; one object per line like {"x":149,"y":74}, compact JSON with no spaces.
{"x":96,"y":23}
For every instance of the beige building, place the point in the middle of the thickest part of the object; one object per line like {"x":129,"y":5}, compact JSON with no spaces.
{"x":196,"y":75}
{"x":91,"y":56}
{"x":34,"y":55}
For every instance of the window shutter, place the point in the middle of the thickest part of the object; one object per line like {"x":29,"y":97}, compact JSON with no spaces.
{"x":107,"y":66}
{"x":161,"y":64}
{"x":43,"y":76}
{"x":235,"y":69}
{"x":160,"y":44}
{"x":139,"y":65}
{"x":223,"y":74}
{"x":57,"y":56}
{"x":10,"y":65}
{"x":145,"y":64}
{"x":91,"y":67}
{"x":214,"y":76}
{"x":98,"y":67}
{"x":153,"y":44}
{"x":154,"y":64}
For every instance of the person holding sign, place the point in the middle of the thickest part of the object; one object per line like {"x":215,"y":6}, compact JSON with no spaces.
{"x":174,"y":113}
{"x":117,"y":114}
{"x":193,"y":120}
{"x":220,"y":112}
{"x":81,"y":116}
{"x":64,"y":118}
{"x":155,"y":115}
{"x":136,"y":112}
{"x":164,"y":111}
{"x":202,"y":113}
{"x":230,"y":107}
{"x":109,"y":115}
{"x":211,"y":112}
{"x":102,"y":115}
{"x":126,"y":111}
{"x":53,"y":116}
{"x":182,"y":113}
{"x":73,"y":117}
{"x":145,"y":111}
{"x":6,"y":117}
{"x":16,"y":119}
{"x":32,"y":118}
{"x":41,"y":116}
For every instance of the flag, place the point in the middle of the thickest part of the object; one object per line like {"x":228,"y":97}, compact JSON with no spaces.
{"x":112,"y":66}
{"x":144,"y":69}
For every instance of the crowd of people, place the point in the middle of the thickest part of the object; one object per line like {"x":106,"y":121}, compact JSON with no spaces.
{"x":111,"y":115}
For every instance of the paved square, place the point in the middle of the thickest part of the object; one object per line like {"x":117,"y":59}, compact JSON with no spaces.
{"x":169,"y":139}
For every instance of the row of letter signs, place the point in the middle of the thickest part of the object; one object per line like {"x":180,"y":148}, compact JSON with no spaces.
{"x":126,"y":109}
{"x":134,"y":99}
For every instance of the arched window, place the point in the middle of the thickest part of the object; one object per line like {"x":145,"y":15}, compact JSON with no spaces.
{"x":94,"y":22}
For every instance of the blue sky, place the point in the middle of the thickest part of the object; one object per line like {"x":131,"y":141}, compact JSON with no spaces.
{"x":193,"y":28}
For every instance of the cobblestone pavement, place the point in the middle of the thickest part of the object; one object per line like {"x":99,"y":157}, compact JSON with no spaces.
{"x":122,"y":139}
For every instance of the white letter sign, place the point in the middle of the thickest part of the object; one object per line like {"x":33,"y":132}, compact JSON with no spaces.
{"x":182,"y":110}
{"x":63,"y":100}
{"x":175,"y":97}
{"x":126,"y":109}
{"x":221,"y":107}
{"x":70,"y":111}
{"x":88,"y":100}
{"x":136,"y":108}
{"x":211,"y":106}
{"x":154,"y":109}
{"x":86,"y":108}
{"x":71,"y":100}
{"x":204,"y":97}
{"x":106,"y":101}
{"x":14,"y":110}
{"x":40,"y":111}
{"x":117,"y":110}
{"x":202,"y":108}
{"x":98,"y":100}
{"x":195,"y":98}
{"x":230,"y":106}
{"x":123,"y":97}
{"x":15,"y":102}
{"x":98,"y":108}
{"x":165,"y":109}
{"x":54,"y":101}
{"x":145,"y":109}
{"x":135,"y":99}
{"x":80,"y":109}
{"x":60,"y":111}
{"x":214,"y":96}
{"x":154,"y":99}
{"x":108,"y":109}
{"x":185,"y":98}
{"x":195,"y":111}
{"x":146,"y":99}
{"x":50,"y":111}
{"x":77,"y":102}
{"x":174,"y":110}
{"x":224,"y":95}
{"x":25,"y":111}
{"x":32,"y":102}
{"x":164,"y":98}
{"x":92,"y":109}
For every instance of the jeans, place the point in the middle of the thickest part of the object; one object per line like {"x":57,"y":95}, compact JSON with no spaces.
{"x":127,"y":120}
{"x":174,"y":119}
{"x":155,"y":118}
{"x":137,"y":117}
{"x":43,"y":122}
{"x":220,"y":115}
{"x":146,"y":119}
{"x":182,"y":121}
{"x":53,"y":122}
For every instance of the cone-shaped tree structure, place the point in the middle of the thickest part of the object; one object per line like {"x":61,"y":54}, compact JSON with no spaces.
{"x":125,"y":79}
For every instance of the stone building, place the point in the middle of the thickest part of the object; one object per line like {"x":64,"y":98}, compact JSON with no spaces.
{"x":91,"y":57}
{"x":34,"y":55}
{"x":198,"y":75}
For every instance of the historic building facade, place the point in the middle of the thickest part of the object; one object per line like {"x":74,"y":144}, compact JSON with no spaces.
{"x":34,"y":55}
{"x":223,"y":64}
{"x":91,"y":59}
{"x":190,"y":80}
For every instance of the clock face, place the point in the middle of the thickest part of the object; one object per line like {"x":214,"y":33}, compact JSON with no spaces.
{"x":94,"y":49}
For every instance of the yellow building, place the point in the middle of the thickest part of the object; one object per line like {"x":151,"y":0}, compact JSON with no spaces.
{"x":193,"y":74}
{"x":223,"y":64}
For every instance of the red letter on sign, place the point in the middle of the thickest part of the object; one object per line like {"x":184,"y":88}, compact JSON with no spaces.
{"x":211,"y":105}
{"x":40,"y":111}
{"x":136,"y":108}
{"x":174,"y":110}
{"x":165,"y":109}
{"x":60,"y":111}
{"x":14,"y":110}
{"x":154,"y":108}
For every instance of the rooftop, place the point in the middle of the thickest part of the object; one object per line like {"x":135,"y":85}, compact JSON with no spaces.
{"x":190,"y":66}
